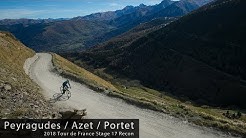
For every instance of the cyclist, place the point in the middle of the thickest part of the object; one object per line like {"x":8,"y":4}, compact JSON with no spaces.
{"x":65,"y":86}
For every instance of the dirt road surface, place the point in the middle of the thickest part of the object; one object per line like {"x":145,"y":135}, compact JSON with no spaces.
{"x":99,"y":106}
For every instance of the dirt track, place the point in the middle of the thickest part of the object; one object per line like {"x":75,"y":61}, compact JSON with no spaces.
{"x":152,"y":124}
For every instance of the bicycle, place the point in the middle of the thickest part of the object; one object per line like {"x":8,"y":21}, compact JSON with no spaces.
{"x":60,"y":96}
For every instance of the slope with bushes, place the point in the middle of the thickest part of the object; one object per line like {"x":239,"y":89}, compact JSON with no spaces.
{"x":199,"y":57}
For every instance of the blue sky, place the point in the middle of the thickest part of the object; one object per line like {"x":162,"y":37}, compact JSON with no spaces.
{"x":14,"y":9}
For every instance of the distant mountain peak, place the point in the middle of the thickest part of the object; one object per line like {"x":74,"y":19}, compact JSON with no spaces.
{"x":165,"y":3}
{"x":128,"y":7}
{"x":142,"y":5}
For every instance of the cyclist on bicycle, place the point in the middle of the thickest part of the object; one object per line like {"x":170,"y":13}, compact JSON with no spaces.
{"x":65,"y":86}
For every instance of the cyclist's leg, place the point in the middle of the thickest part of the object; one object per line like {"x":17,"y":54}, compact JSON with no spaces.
{"x":65,"y":89}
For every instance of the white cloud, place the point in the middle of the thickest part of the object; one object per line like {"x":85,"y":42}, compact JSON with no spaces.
{"x":113,"y":4}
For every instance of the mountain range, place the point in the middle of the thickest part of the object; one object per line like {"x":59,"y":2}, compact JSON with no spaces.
{"x":80,"y":33}
{"x":200,"y":56}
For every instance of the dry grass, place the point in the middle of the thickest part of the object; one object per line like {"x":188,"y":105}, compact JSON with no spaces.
{"x":209,"y":116}
{"x":13,"y":51}
{"x":13,"y":55}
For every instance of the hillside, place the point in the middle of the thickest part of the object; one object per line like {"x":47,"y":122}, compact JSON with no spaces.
{"x":133,"y":34}
{"x":59,"y":35}
{"x":20,"y":97}
{"x":104,"y":50}
{"x":181,"y":8}
{"x":79,"y":33}
{"x":200,"y":57}
{"x":145,"y":13}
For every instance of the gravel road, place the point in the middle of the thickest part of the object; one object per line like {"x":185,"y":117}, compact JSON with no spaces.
{"x":152,"y":124}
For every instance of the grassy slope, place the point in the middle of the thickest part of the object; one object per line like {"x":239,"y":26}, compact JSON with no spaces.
{"x":152,"y":99}
{"x":12,"y":57}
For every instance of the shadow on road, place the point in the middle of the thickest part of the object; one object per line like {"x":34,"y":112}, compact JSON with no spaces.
{"x":58,"y":97}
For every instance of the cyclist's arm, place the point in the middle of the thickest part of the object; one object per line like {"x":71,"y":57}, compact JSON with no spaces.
{"x":69,"y":85}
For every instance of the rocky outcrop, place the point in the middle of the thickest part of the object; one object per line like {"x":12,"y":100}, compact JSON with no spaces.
{"x":75,"y":114}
